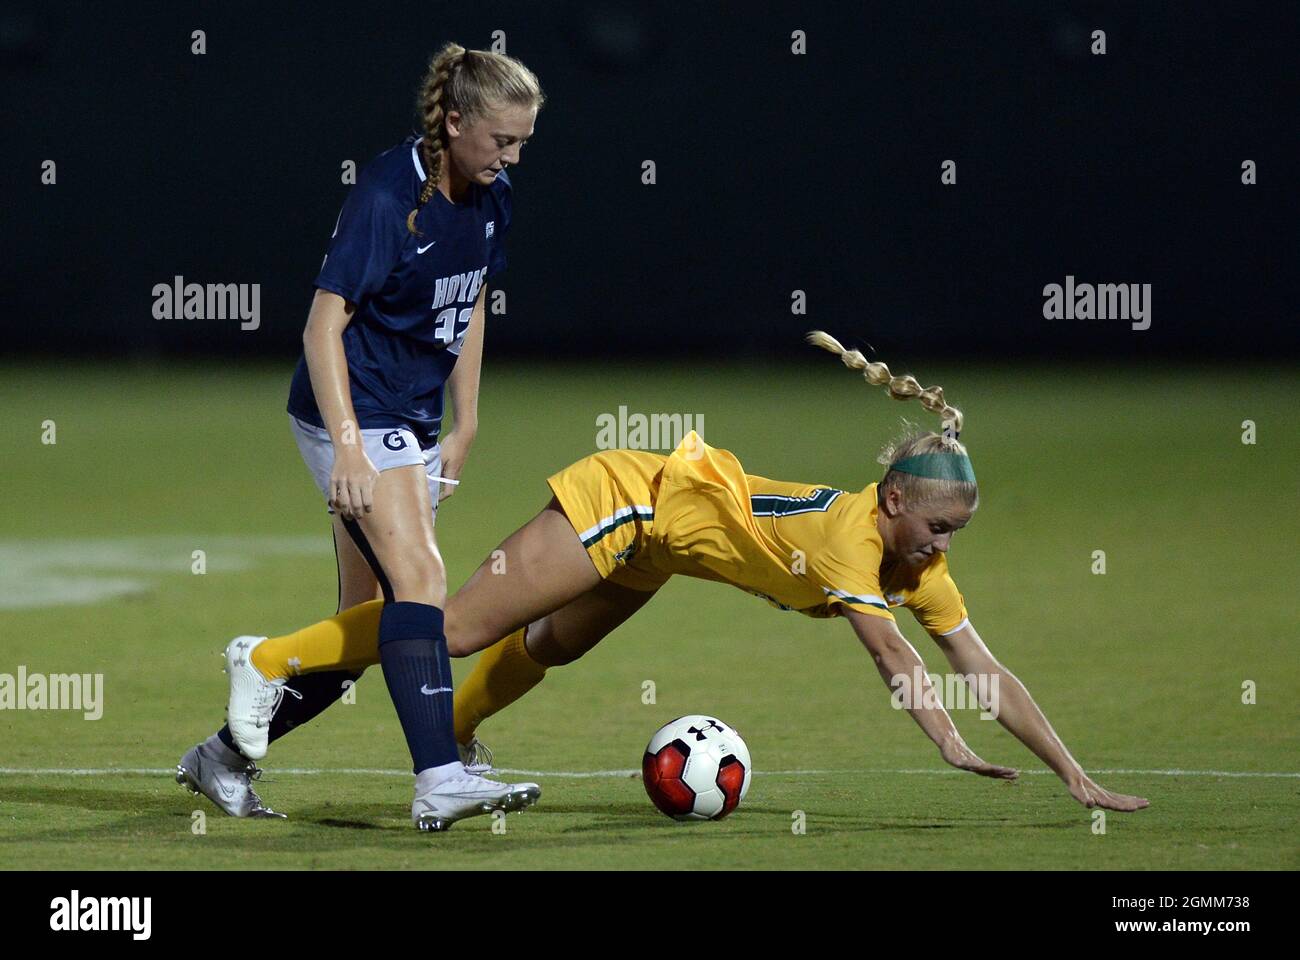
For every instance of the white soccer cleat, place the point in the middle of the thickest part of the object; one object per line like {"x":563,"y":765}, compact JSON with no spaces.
{"x":469,"y":796}
{"x":253,"y":698}
{"x":215,"y":771}
{"x":476,"y":757}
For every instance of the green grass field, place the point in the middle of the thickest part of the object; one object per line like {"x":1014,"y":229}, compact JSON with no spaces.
{"x":1140,"y":670}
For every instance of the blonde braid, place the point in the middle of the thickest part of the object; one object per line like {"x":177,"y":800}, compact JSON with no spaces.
{"x":900,"y":388}
{"x":433,"y":145}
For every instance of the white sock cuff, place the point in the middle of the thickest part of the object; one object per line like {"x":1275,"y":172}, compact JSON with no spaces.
{"x":430,"y":777}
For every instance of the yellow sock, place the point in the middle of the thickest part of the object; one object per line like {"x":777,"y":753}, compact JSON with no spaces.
{"x":347,"y":641}
{"x":503,"y":674}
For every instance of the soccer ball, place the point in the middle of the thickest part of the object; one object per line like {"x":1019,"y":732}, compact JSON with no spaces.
{"x":696,"y":768}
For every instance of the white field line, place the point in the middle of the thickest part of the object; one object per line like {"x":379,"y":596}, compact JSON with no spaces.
{"x":593,"y":774}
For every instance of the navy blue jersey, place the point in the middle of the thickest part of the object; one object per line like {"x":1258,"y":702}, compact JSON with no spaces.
{"x":414,"y":294}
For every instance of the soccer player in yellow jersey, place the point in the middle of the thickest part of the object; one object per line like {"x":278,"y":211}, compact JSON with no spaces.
{"x":641,"y":517}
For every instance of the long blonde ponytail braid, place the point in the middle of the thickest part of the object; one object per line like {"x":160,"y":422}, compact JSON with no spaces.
{"x":927,"y":467}
{"x":900,"y":388}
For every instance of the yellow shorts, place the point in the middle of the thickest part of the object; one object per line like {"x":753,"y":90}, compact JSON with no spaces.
{"x":610,"y":499}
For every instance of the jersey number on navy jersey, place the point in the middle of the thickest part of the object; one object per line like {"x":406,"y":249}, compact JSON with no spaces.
{"x":450,"y":326}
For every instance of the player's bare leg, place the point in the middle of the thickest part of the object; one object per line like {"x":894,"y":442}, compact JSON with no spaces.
{"x":537,"y":569}
{"x":509,"y":669}
{"x":396,"y":537}
{"x":398,"y":532}
{"x":357,"y":583}
{"x":566,"y":634}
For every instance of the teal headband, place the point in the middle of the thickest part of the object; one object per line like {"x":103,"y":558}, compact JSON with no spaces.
{"x":938,"y":466}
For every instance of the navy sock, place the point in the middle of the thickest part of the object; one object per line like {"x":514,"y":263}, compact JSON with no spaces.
{"x":417,"y":669}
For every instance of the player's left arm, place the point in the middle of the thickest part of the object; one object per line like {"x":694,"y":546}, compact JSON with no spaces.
{"x":1015,"y":709}
{"x":898,"y":663}
{"x":462,"y":387}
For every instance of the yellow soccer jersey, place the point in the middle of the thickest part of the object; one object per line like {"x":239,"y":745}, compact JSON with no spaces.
{"x":800,"y":546}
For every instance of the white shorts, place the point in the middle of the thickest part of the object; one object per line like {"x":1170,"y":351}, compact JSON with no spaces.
{"x":387,"y":448}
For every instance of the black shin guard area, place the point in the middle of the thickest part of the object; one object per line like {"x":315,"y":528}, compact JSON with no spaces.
{"x":316,"y":692}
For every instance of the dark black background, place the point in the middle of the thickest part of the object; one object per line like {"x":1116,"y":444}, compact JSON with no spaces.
{"x":328,"y":913}
{"x":775,"y":172}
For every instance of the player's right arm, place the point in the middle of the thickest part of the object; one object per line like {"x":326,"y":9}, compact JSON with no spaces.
{"x":900,"y":666}
{"x":366,"y":245}
{"x":1018,"y":713}
{"x":353,"y":476}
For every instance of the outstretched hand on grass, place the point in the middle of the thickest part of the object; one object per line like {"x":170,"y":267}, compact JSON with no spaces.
{"x":1091,"y":794}
{"x":955,"y":752}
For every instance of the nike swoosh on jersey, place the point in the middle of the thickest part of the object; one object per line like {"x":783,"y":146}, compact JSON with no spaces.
{"x":428,"y":693}
{"x":422,"y":249}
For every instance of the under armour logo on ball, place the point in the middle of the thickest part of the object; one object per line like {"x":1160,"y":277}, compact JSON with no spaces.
{"x":703,"y":731}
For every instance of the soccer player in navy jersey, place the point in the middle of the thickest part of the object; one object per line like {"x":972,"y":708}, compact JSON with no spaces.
{"x":398,"y":316}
